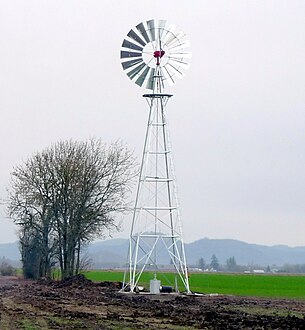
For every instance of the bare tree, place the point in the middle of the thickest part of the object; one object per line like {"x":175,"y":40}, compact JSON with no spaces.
{"x":70,"y":194}
{"x":31,"y":206}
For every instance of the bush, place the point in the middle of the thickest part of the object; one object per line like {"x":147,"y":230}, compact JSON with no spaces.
{"x":7,"y":269}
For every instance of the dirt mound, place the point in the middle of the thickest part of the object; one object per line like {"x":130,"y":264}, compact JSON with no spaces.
{"x":76,"y":281}
{"x":110,"y":285}
{"x":78,"y":303}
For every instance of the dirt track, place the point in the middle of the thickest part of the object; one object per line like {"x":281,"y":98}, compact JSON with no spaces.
{"x":80,"y":304}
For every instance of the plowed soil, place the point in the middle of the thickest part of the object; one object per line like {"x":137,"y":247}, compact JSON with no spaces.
{"x":78,"y":303}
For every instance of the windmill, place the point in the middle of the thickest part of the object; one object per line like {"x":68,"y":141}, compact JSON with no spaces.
{"x":153,"y":55}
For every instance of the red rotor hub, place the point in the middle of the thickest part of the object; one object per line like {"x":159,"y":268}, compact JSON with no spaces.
{"x":158,"y":54}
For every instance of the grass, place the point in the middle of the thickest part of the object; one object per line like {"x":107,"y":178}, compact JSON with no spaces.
{"x":28,"y":325}
{"x":97,"y":275}
{"x":64,"y":322}
{"x":273,"y":286}
{"x":256,"y":285}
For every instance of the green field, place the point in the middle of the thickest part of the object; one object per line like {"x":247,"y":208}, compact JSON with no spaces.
{"x":258,"y":285}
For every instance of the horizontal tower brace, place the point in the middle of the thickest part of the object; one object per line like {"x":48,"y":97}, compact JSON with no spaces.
{"x":154,"y":236}
{"x":151,"y":179}
{"x":153,"y":208}
{"x":157,"y":152}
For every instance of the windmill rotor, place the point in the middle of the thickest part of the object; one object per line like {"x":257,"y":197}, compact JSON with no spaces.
{"x":152,"y":45}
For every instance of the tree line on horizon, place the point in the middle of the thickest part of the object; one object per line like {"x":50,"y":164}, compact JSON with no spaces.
{"x":214,"y":264}
{"x":231,"y":265}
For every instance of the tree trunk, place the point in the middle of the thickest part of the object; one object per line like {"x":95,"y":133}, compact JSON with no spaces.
{"x":78,"y":258}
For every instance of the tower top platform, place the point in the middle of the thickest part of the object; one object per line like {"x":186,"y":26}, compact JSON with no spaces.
{"x":157,"y":95}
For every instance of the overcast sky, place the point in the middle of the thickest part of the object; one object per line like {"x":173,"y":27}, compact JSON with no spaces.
{"x":236,"y":119}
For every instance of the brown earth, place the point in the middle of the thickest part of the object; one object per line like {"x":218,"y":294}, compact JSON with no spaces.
{"x":78,"y":303}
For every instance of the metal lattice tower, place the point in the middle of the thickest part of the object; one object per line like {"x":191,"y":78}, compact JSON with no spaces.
{"x":154,"y":55}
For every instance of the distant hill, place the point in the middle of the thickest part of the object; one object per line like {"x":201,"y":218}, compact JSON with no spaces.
{"x":244,"y":253}
{"x":109,"y":253}
{"x":113,"y":252}
{"x":10,"y":251}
